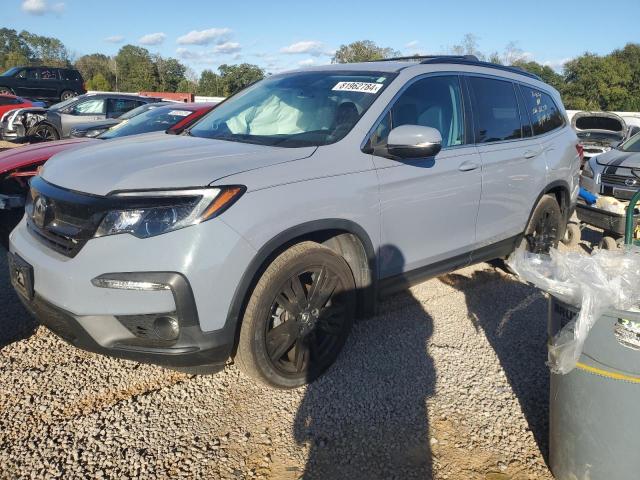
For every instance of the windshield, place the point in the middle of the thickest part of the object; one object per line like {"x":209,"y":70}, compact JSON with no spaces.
{"x":60,"y":105}
{"x":153,"y":120}
{"x":631,"y":145}
{"x":10,"y":72}
{"x":294,"y":110}
{"x":141,"y":109}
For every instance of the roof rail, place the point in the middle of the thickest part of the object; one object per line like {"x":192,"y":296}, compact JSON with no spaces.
{"x":479,"y":63}
{"x":424,"y":58}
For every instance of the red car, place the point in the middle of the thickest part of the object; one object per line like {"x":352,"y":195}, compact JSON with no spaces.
{"x":11,"y":102}
{"x":19,"y":164}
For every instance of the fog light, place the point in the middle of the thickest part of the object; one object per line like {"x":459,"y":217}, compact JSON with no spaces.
{"x":128,"y":284}
{"x":167,"y":328}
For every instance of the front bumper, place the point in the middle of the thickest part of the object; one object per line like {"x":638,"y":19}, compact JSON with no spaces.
{"x":120,"y":321}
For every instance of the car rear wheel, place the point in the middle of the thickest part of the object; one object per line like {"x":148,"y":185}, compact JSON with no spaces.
{"x":43,"y":133}
{"x":5,"y":91}
{"x":67,"y":94}
{"x":298,"y":317}
{"x":545,"y":228}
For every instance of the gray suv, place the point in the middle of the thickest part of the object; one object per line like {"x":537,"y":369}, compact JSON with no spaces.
{"x":261,"y":232}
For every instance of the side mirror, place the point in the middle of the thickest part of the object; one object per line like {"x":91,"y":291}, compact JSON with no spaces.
{"x":414,"y":141}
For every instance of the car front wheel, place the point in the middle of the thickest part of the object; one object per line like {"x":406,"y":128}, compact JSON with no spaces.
{"x":298,"y":317}
{"x":43,"y":133}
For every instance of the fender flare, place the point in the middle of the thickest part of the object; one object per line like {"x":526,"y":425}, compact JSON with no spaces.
{"x":277,"y":244}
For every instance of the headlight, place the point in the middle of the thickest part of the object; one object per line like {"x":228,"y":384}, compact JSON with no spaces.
{"x":156,"y":212}
{"x":587,"y":171}
{"x":77,"y":133}
{"x":93,"y":133}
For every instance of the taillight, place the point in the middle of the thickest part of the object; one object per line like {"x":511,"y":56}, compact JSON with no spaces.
{"x":580,"y":150}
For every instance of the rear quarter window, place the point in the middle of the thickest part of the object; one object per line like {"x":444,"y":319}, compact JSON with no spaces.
{"x":71,"y":75}
{"x":543,"y":111}
{"x":496,"y":110}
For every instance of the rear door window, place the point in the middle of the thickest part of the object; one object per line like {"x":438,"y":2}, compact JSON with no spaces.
{"x":544,"y":113}
{"x":27,"y":74}
{"x":118,"y":106}
{"x":496,"y":110}
{"x":525,"y":120}
{"x":48,"y":74}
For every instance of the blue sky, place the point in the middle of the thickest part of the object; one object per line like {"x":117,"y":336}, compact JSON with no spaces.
{"x":279,"y":35}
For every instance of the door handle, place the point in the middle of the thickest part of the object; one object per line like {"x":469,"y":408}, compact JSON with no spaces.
{"x":531,"y":153}
{"x":468,"y":166}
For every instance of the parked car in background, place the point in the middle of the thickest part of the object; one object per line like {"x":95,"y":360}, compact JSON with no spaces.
{"x":12,"y":102}
{"x":19,"y":165}
{"x":267,"y":226}
{"x":599,"y":132}
{"x":95,"y":128}
{"x":56,"y":122}
{"x":611,"y":173}
{"x":49,"y":83}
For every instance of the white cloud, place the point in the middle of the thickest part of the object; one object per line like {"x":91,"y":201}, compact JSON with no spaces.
{"x":152,"y":38}
{"x":114,"y":39}
{"x":186,"y":54}
{"x":310,"y":47}
{"x":557,"y":65}
{"x":41,"y":7}
{"x":228,"y":47}
{"x":307,"y":62}
{"x":205,"y":37}
{"x":412,"y":44}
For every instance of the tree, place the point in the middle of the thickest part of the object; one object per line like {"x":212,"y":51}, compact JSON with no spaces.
{"x":236,"y":77}
{"x":186,"y":86}
{"x":468,"y":46}
{"x":97,"y":64}
{"x":136,"y":70}
{"x":170,"y":73}
{"x":98,"y":82}
{"x":45,"y":50}
{"x":546,"y":73}
{"x":210,"y":84}
{"x":362,"y":51}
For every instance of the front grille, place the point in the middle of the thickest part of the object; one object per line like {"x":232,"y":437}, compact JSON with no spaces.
{"x":62,"y":219}
{"x":614,"y":179}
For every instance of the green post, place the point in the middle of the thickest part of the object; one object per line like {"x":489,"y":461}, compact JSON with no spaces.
{"x":628,"y":231}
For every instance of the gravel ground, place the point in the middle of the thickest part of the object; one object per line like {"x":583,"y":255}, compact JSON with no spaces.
{"x":448,"y":381}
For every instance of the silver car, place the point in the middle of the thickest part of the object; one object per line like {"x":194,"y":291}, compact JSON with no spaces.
{"x":261,"y":232}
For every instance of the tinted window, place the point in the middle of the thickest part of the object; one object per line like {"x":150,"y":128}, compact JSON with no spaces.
{"x":154,"y":120}
{"x":545,"y":115}
{"x":118,"y":106}
{"x":431,"y":102}
{"x":48,"y":74}
{"x":496,"y":110}
{"x":89,"y":107}
{"x":27,"y":73}
{"x":70,"y":75}
{"x":525,"y":120}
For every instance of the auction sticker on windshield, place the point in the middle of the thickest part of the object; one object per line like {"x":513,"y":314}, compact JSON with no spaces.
{"x":180,"y":113}
{"x":364,"y":87}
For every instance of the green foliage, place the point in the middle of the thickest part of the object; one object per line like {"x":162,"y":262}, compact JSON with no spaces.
{"x":26,"y":48}
{"x":186,"y":86}
{"x":236,"y":77}
{"x":210,"y":84}
{"x":546,"y":73}
{"x":170,"y":73}
{"x":136,"y":70}
{"x":96,"y":64}
{"x":362,"y":51}
{"x":98,"y":82}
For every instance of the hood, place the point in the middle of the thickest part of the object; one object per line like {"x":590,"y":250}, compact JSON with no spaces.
{"x":160,"y":161}
{"x":618,"y":158}
{"x":34,"y":155}
{"x":599,"y":127}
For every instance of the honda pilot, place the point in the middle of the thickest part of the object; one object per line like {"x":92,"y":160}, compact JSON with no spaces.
{"x":265,"y":229}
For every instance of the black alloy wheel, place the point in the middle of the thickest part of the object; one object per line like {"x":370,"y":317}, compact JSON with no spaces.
{"x":545,"y":228}
{"x":298,"y":317}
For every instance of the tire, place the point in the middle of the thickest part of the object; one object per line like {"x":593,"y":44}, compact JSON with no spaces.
{"x":5,"y":91}
{"x":608,"y":243}
{"x":43,"y":132}
{"x":545,"y":228}
{"x":572,"y":235}
{"x":313,"y":324}
{"x":67,"y":94}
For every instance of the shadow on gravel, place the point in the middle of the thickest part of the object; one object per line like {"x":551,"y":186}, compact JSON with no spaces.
{"x":513,"y":316}
{"x":15,"y":322}
{"x":367,"y":418}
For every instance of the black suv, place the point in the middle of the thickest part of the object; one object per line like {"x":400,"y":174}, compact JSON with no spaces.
{"x":50,"y":83}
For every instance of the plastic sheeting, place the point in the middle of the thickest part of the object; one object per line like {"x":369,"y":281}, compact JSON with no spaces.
{"x":605,"y":280}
